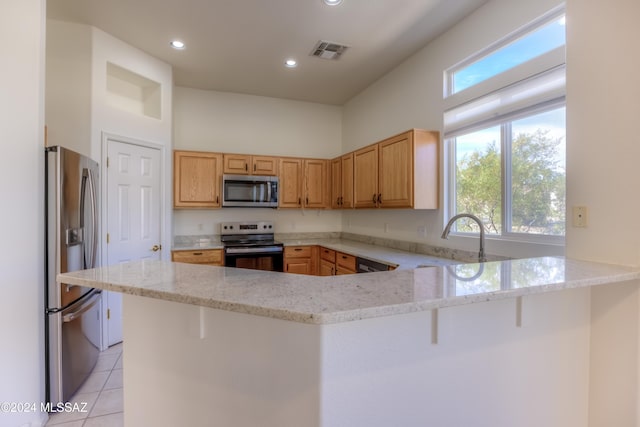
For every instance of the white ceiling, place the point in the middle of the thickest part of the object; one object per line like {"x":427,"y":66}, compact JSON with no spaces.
{"x":240,"y":45}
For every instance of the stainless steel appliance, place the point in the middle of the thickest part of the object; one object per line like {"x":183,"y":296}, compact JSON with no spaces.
{"x":72,"y":313}
{"x":250,"y":191}
{"x":251,"y":245}
{"x":364,"y":265}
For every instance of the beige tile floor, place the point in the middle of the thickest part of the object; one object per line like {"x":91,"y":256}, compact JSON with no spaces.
{"x":102,"y":393}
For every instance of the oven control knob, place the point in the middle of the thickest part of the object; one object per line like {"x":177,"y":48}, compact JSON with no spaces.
{"x":225,"y":227}
{"x":270,"y":226}
{"x":231,"y":227}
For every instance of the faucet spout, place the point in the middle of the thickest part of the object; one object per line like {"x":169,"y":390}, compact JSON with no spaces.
{"x":447,"y":230}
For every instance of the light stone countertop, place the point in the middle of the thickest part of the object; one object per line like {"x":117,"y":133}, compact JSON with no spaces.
{"x":401,"y":259}
{"x":335,"y":299}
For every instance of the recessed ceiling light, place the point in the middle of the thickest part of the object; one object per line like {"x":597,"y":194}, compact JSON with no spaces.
{"x":332,"y":2}
{"x":177,"y":44}
{"x":291,"y":63}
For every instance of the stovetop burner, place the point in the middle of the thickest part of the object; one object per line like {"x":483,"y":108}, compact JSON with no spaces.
{"x":251,"y":234}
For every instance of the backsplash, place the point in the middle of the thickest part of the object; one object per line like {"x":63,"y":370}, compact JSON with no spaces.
{"x":419,"y":248}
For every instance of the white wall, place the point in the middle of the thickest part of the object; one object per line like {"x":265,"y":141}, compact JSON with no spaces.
{"x":411,"y":96}
{"x":603,"y":147}
{"x":22,"y":188}
{"x":603,"y":143}
{"x":109,"y":119}
{"x":68,"y":85}
{"x":234,"y":123}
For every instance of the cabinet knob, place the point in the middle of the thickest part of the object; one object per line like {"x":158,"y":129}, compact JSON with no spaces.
{"x":299,"y":201}
{"x":380,"y":198}
{"x":246,"y":167}
{"x":254,"y":167}
{"x":374,"y":199}
{"x":156,"y":248}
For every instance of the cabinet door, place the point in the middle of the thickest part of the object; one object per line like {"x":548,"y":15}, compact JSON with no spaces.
{"x":327,"y":268}
{"x":290,"y":183}
{"x":316,"y":183}
{"x":341,"y":270}
{"x":347,"y":181}
{"x":196,"y":179}
{"x":237,"y":164}
{"x":297,"y":265}
{"x":365,"y":177}
{"x":336,"y":183}
{"x":263,"y":165}
{"x":396,"y":172}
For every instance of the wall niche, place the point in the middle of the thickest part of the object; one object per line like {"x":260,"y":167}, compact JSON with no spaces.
{"x":132,"y":92}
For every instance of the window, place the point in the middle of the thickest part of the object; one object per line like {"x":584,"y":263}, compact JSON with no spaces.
{"x":546,"y":35}
{"x":505,"y":136}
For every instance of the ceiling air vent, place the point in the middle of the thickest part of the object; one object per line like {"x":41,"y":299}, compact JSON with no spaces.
{"x":328,"y":50}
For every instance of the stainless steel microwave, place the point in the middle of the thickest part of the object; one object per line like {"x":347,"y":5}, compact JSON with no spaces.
{"x":250,"y":191}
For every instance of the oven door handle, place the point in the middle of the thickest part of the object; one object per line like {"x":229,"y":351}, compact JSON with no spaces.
{"x":257,"y":251}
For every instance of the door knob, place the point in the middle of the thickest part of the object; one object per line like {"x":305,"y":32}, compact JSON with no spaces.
{"x":156,"y":248}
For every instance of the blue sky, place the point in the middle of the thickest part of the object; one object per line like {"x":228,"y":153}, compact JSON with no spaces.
{"x":533,"y":44}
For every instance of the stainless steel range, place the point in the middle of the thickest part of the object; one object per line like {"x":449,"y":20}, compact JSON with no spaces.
{"x":251,"y":245}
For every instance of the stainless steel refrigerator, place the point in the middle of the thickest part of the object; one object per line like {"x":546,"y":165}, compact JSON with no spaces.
{"x":72,"y":313}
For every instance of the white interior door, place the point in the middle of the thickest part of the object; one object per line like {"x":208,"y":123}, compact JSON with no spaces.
{"x":133,"y":215}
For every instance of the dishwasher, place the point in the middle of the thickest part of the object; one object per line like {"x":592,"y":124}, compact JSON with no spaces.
{"x":364,"y":265}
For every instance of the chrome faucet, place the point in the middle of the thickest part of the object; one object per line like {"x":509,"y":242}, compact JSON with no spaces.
{"x":447,"y":230}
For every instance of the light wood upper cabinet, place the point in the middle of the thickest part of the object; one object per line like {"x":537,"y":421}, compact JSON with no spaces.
{"x":347,"y":181}
{"x":395,"y":172}
{"x":399,"y":172}
{"x":196,"y":179}
{"x":316,"y":183}
{"x":290,"y":183}
{"x":304,"y":183}
{"x":342,"y":182}
{"x":244,"y":164}
{"x":365,"y":177}
{"x":264,"y":165}
{"x":336,"y":182}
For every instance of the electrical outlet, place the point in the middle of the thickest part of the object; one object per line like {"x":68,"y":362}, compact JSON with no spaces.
{"x":386,"y":227}
{"x":579,"y":216}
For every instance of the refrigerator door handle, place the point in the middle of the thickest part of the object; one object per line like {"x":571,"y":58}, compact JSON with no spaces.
{"x":83,"y":308}
{"x":87,"y":176}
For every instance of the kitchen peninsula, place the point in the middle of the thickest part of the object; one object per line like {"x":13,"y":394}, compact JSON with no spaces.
{"x":495,"y":344}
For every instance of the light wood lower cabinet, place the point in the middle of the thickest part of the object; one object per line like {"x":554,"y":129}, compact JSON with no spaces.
{"x":345,"y":263}
{"x":301,"y":259}
{"x":333,"y":262}
{"x":205,"y":256}
{"x":327,"y":262}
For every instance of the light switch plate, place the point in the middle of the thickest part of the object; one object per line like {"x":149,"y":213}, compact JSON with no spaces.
{"x":579,"y":216}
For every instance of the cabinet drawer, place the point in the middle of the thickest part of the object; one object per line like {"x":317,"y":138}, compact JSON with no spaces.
{"x":328,"y":254}
{"x":297,"y":252}
{"x":206,"y":256}
{"x":341,"y":270}
{"x":347,"y":261}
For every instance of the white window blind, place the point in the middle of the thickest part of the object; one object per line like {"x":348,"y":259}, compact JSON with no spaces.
{"x":494,"y":107}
